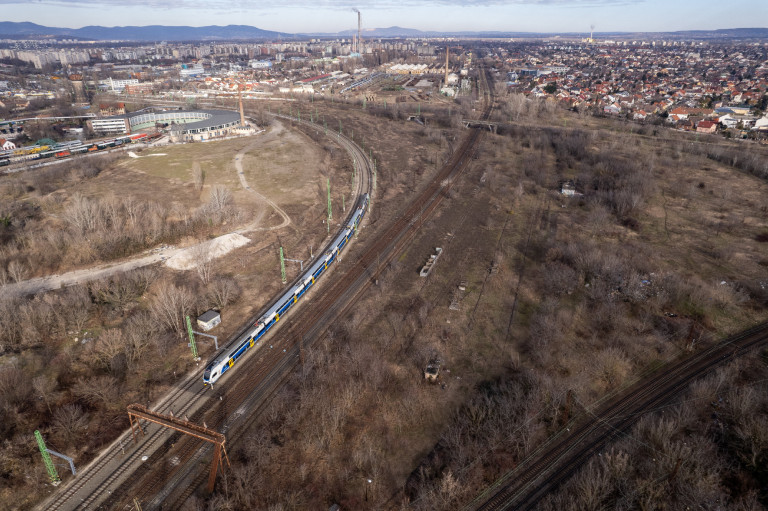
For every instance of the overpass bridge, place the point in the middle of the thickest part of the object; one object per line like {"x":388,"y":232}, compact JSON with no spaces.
{"x":490,"y":125}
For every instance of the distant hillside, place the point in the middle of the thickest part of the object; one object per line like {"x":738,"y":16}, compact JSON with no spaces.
{"x":26,"y":28}
{"x":728,"y":33}
{"x":146,"y":33}
{"x":232,"y":32}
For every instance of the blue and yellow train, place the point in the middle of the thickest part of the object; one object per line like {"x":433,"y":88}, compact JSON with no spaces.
{"x":227,"y":359}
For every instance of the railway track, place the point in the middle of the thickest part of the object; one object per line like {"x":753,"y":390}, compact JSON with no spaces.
{"x":176,"y":465}
{"x":113,"y":476}
{"x":314,"y":319}
{"x":569,"y":449}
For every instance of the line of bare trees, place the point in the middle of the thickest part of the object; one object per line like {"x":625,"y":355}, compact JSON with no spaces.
{"x":104,"y":228}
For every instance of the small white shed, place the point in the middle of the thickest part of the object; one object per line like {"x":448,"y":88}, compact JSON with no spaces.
{"x":209,"y":319}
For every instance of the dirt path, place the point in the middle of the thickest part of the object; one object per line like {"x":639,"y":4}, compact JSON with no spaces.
{"x":276,"y":129}
{"x":100,"y":271}
{"x":156,"y":255}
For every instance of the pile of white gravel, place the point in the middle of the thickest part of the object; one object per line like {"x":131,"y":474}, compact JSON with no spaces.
{"x":189,"y":258}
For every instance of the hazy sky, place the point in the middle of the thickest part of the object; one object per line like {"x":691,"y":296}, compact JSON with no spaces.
{"x":449,"y":15}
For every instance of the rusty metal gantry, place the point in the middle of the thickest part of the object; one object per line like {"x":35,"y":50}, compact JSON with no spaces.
{"x":188,"y":428}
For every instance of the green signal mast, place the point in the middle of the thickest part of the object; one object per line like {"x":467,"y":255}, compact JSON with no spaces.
{"x":282,"y":265}
{"x":192,"y":343}
{"x":330,"y":214}
{"x":52,"y":473}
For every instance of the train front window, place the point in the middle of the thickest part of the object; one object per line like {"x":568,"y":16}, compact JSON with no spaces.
{"x":207,"y":373}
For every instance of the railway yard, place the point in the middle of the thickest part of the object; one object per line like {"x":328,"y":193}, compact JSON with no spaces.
{"x":557,"y":321}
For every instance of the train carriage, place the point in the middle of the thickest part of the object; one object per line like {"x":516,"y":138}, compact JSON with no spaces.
{"x":250,"y":338}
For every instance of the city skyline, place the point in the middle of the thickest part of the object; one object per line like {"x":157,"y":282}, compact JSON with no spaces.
{"x":330,"y":16}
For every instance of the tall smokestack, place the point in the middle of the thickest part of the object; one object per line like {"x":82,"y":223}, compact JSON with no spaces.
{"x":359,"y":31}
{"x":447,"y":53}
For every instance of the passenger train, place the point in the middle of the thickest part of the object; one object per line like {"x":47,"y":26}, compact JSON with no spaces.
{"x":251,"y":337}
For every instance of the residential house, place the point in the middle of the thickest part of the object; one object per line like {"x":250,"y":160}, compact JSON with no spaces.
{"x":706,"y":127}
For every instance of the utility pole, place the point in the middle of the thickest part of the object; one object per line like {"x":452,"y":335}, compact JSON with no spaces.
{"x":192,"y":343}
{"x":282,"y":265}
{"x":52,"y":473}
{"x":330,"y":212}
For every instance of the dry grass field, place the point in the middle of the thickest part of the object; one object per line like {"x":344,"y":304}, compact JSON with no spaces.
{"x":71,"y":360}
{"x":663,"y":250}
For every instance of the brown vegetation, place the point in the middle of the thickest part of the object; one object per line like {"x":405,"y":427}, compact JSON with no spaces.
{"x":709,"y":449}
{"x":652,"y":259}
{"x":566,"y":299}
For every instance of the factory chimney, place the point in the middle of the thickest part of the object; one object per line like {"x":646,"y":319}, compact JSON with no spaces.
{"x":359,"y":31}
{"x":447,"y":54}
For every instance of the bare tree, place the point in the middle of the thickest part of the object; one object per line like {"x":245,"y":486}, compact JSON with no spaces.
{"x":98,"y":390}
{"x":109,"y":348}
{"x":45,"y":387}
{"x":77,"y":303}
{"x":17,"y":270}
{"x":138,"y":332}
{"x":14,"y":384}
{"x":221,"y":199}
{"x":222,"y":291}
{"x":70,"y":422}
{"x":203,"y":261}
{"x":82,"y":213}
{"x":132,"y":209}
{"x":171,"y":305}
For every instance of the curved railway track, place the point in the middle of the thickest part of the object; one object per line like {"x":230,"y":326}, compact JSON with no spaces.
{"x":569,"y":449}
{"x":316,"y":316}
{"x":177,"y":465}
{"x":110,"y":477}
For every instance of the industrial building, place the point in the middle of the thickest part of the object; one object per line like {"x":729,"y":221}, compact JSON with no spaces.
{"x":186,"y":125}
{"x":114,"y":125}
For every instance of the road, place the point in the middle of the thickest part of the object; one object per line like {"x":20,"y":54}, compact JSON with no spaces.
{"x":277,"y":127}
{"x":56,"y":281}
